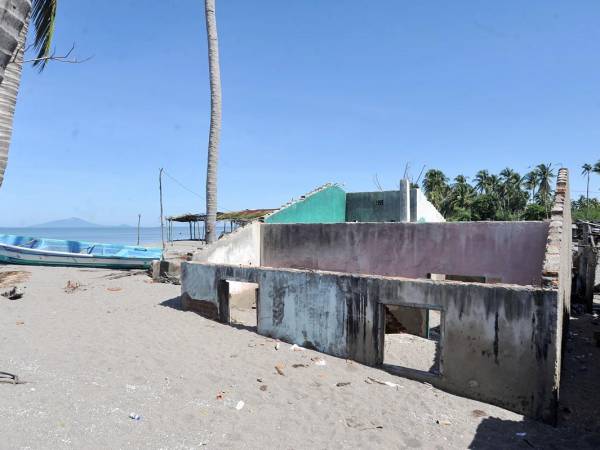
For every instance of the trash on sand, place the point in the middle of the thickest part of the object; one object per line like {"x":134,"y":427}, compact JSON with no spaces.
{"x":360,"y":424}
{"x":239,"y":405}
{"x":523,"y":434}
{"x":20,"y":322}
{"x":371,"y":380}
{"x":10,"y":377}
{"x":263,"y":387}
{"x":277,"y":345}
{"x":343,"y":383}
{"x":279,"y":368}
{"x":443,"y":422}
{"x":71,"y":286}
{"x":318,"y":361}
{"x":114,"y":289}
{"x":295,"y":366}
{"x":220,"y":395}
{"x":478,"y":413}
{"x":259,"y":380}
{"x":13,"y":294}
{"x":296,"y":348}
{"x":134,"y":416}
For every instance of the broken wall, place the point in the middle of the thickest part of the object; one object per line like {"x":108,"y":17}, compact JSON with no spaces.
{"x":498,"y":343}
{"x":509,"y":252}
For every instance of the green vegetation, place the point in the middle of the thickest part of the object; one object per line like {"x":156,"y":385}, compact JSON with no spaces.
{"x":505,"y":196}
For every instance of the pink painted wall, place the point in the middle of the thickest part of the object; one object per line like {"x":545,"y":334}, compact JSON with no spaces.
{"x":510,"y":251}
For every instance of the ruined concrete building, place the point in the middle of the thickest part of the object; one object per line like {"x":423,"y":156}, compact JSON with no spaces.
{"x":492,"y":297}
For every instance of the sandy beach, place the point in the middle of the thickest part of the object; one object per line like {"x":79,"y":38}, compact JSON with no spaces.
{"x":90,"y":347}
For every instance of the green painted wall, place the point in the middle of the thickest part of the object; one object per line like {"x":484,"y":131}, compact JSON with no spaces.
{"x":325,"y":206}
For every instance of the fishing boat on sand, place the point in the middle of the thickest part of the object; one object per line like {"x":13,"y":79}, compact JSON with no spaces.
{"x":56,"y":252}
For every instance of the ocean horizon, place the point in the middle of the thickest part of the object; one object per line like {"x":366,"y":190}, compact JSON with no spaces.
{"x":101,"y":235}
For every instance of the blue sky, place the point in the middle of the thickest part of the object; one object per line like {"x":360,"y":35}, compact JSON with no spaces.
{"x":313,"y":91}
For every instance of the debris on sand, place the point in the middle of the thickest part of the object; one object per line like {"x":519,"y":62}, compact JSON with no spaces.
{"x":9,"y":377}
{"x":12,"y":277}
{"x":360,"y":424}
{"x":371,"y":380}
{"x":13,"y":294}
{"x":342,"y":383}
{"x":279,"y":368}
{"x":72,"y":286}
{"x":114,"y":289}
{"x":239,"y":405}
{"x":318,"y":361}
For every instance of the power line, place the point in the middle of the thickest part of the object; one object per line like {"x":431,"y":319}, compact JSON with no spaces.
{"x":182,"y":185}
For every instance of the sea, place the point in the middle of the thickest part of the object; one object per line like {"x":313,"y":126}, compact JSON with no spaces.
{"x":103,"y":235}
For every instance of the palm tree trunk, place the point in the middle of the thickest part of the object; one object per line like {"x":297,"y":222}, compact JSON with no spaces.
{"x":587,"y":196}
{"x":14,"y":18}
{"x":215,"y":121}
{"x":9,"y":89}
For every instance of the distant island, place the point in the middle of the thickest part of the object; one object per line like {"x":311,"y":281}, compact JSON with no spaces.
{"x":74,"y":222}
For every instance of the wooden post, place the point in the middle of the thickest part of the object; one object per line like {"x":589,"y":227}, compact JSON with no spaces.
{"x":139,"y":219}
{"x":162,"y":233}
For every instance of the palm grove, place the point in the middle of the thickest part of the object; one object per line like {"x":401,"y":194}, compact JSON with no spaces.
{"x":507,"y":195}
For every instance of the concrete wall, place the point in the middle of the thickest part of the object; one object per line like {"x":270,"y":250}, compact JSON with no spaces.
{"x":421,"y":210}
{"x":498,"y":343}
{"x":379,"y":206}
{"x":239,"y":247}
{"x":557,"y":266}
{"x":326,"y":205}
{"x":510,"y":252}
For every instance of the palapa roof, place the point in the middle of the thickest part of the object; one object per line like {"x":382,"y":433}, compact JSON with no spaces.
{"x":244,"y":215}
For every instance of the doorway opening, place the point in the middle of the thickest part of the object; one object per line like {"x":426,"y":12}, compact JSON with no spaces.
{"x":412,"y":338}
{"x":243,"y":303}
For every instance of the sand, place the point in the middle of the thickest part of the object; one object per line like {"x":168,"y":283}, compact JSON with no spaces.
{"x":109,"y":343}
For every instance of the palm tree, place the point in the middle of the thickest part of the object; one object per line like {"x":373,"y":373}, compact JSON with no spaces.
{"x":482,"y":179}
{"x":596,"y":168}
{"x":531,"y":182}
{"x":545,"y":174}
{"x":586,"y":170}
{"x":435,"y":186}
{"x":215,"y":121}
{"x":42,"y":12}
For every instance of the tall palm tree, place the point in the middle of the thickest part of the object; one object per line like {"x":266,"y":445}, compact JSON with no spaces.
{"x":596,"y":168}
{"x":586,"y":170}
{"x":215,"y":121}
{"x":531,"y":181}
{"x":42,"y":12}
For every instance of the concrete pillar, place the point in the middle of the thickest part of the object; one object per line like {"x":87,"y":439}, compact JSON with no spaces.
{"x":405,"y":201}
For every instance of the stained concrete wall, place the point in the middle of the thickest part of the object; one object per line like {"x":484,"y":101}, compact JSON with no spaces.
{"x":379,"y":206}
{"x":326,"y":205}
{"x":510,"y":252}
{"x":498,"y":342}
{"x":239,"y":247}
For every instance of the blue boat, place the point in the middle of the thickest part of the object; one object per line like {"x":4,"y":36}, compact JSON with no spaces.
{"x":55,"y":252}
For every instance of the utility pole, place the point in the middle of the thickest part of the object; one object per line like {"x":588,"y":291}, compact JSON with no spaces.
{"x":162,"y":233}
{"x":139,"y":219}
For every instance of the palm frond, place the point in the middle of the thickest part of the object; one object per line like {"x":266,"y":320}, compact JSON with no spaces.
{"x":43,"y":15}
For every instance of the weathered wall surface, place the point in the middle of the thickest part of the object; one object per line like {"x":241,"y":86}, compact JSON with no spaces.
{"x":327,"y":205}
{"x":240,"y":247}
{"x":498,"y":343}
{"x":379,"y":206}
{"x":509,"y":251}
{"x":557,"y":266}
{"x":421,"y":210}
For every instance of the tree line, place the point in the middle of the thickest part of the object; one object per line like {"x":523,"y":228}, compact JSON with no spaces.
{"x":507,"y":195}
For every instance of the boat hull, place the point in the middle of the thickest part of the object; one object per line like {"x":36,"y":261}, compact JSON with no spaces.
{"x":17,"y":255}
